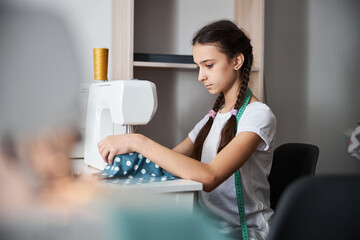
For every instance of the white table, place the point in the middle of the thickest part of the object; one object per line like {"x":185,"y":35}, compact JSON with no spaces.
{"x":178,"y":193}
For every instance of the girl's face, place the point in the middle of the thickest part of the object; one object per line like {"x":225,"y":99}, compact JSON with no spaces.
{"x":216,"y":72}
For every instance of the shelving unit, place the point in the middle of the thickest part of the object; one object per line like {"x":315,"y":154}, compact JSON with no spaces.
{"x":248,"y":15}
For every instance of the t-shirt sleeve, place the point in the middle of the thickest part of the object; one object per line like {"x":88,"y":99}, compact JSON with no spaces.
{"x":261,"y":121}
{"x":193,"y":133}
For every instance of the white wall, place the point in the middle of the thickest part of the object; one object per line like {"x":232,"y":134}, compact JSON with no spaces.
{"x":311,"y":75}
{"x":87,"y":21}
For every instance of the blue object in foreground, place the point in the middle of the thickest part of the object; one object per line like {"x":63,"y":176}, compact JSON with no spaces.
{"x":134,"y":168}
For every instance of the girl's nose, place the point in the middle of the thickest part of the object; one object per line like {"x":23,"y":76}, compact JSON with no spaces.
{"x":201,"y":76}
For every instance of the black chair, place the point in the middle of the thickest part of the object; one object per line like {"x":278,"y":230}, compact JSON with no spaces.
{"x":321,"y":207}
{"x":290,"y":161}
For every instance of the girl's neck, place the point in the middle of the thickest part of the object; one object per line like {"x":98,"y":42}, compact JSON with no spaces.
{"x":228,"y":104}
{"x":230,"y":97}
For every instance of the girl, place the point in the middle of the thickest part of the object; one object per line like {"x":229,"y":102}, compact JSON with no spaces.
{"x":214,"y":150}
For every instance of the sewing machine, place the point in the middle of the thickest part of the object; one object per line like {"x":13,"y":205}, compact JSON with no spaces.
{"x":114,"y":107}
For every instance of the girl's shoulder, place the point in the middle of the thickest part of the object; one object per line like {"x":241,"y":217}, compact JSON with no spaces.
{"x":258,"y":111}
{"x":253,"y":106}
{"x":259,"y":118}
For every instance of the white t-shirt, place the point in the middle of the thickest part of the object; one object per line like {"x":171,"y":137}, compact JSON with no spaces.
{"x":221,"y":203}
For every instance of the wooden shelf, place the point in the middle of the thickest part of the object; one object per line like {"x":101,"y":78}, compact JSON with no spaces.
{"x":164,"y":65}
{"x":139,"y":64}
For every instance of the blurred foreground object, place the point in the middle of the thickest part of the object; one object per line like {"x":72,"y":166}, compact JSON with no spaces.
{"x":38,"y":118}
{"x":38,"y":104}
{"x":38,"y":72}
{"x":354,"y":145}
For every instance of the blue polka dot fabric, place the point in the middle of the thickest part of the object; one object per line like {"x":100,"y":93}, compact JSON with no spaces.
{"x":134,"y":168}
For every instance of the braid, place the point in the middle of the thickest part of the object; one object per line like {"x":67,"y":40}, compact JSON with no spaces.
{"x":245,"y":77}
{"x":199,"y":141}
{"x":240,"y":97}
{"x":244,"y":86}
{"x":219,"y":102}
{"x":229,"y":130}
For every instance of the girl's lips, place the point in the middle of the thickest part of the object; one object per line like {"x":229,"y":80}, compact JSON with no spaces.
{"x":208,"y":86}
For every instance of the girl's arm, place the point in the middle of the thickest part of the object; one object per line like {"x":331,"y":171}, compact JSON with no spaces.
{"x":185,"y":147}
{"x":212,"y":174}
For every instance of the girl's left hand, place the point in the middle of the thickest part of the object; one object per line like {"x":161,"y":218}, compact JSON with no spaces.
{"x":114,"y":145}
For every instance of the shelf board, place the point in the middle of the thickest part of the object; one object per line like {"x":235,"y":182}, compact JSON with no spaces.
{"x":139,"y":64}
{"x":164,"y":65}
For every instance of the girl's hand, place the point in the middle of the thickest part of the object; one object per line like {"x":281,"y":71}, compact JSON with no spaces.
{"x":114,"y":145}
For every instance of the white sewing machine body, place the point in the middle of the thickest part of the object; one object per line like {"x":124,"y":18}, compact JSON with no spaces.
{"x":112,"y":107}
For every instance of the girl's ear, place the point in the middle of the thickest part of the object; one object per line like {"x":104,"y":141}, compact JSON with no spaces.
{"x":238,"y":61}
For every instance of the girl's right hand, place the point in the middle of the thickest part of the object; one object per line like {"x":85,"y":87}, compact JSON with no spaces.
{"x":114,"y":145}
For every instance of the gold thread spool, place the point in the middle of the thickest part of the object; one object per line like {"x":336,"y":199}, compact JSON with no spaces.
{"x":100,"y":63}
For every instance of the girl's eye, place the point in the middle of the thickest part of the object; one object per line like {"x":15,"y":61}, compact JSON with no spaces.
{"x":209,"y":65}
{"x":197,"y":68}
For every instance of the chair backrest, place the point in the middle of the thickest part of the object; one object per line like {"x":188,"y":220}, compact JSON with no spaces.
{"x":320,"y":207}
{"x":290,"y":161}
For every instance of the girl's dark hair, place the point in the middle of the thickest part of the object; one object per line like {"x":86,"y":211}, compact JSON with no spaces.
{"x":231,"y":41}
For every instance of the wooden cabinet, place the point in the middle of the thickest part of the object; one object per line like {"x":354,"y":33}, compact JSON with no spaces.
{"x":167,"y":27}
